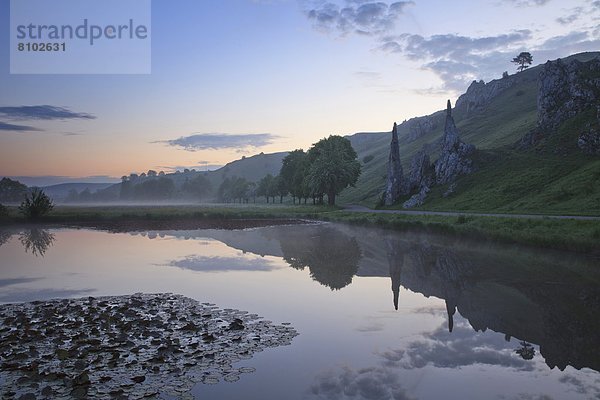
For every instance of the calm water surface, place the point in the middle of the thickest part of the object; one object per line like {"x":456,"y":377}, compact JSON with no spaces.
{"x":381,"y":315}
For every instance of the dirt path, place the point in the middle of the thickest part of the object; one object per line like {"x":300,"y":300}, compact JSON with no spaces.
{"x":355,"y":208}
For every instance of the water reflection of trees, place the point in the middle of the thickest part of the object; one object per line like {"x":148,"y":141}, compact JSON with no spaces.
{"x":542,"y":297}
{"x":526,"y":351}
{"x":331,"y":255}
{"x":36,"y":240}
{"x":4,"y":237}
{"x":520,"y":294}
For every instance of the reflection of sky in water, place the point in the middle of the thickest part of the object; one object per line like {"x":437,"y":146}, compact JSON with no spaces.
{"x":352,"y":343}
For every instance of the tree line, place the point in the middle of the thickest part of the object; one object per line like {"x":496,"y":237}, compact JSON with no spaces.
{"x":323,"y":171}
{"x":326,"y":169}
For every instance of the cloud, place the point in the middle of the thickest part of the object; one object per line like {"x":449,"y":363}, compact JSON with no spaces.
{"x":462,"y":347}
{"x":354,"y":16}
{"x":17,"y":128}
{"x":201,"y":166}
{"x":375,"y":383}
{"x":44,"y":112}
{"x":49,"y":180}
{"x":222,"y":264}
{"x":218,"y":141}
{"x":565,"y":41}
{"x":529,"y":3}
{"x":368,"y":75}
{"x":457,"y":60}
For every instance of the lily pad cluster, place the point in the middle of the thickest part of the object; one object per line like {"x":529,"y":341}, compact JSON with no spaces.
{"x":139,"y":346}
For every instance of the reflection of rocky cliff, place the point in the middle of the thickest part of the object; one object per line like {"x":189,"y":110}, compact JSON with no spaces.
{"x":527,"y":298}
{"x":547,"y":298}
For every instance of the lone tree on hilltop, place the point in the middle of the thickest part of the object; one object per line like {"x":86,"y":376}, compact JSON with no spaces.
{"x":523,"y":60}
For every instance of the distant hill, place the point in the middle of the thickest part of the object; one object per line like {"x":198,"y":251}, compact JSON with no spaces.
{"x":252,"y":169}
{"x":494,"y":117}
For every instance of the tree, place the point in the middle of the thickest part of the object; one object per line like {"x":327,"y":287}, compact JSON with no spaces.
{"x":523,"y":60}
{"x":36,"y":204}
{"x":3,"y":211}
{"x":266,"y":187}
{"x":293,"y":171}
{"x":12,"y":191}
{"x":280,"y":187}
{"x":224,"y":191}
{"x":154,"y":189}
{"x":197,"y":187}
{"x":333,"y":166}
{"x":240,"y":189}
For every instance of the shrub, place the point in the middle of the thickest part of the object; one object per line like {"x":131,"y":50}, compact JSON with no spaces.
{"x":36,"y":204}
{"x":505,"y":75}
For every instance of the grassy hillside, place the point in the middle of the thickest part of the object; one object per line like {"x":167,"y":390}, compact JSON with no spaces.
{"x":555,"y":177}
{"x":252,"y":168}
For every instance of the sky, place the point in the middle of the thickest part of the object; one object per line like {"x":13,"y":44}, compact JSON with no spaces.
{"x":233,"y":78}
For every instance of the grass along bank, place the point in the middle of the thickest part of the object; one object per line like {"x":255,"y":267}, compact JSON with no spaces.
{"x":561,"y":234}
{"x":106,"y":213}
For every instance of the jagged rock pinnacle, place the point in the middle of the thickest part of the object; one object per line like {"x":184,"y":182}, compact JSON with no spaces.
{"x":394,"y":173}
{"x":449,"y":109}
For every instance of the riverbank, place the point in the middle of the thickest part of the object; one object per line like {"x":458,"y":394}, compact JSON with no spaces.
{"x":562,"y":234}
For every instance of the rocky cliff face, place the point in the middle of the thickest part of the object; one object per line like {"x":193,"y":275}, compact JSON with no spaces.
{"x":421,"y":173}
{"x":589,"y":140}
{"x":455,"y":158}
{"x":394,"y":182}
{"x":420,"y":126}
{"x":566,"y":89}
{"x":479,"y":94}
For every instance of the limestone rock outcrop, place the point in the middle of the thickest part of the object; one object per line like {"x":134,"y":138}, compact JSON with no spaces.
{"x":421,"y":126}
{"x":421,"y":173}
{"x":455,"y":158}
{"x":395,"y":176}
{"x":479,"y":94}
{"x":589,"y":140}
{"x":417,"y":199}
{"x":566,"y":89}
